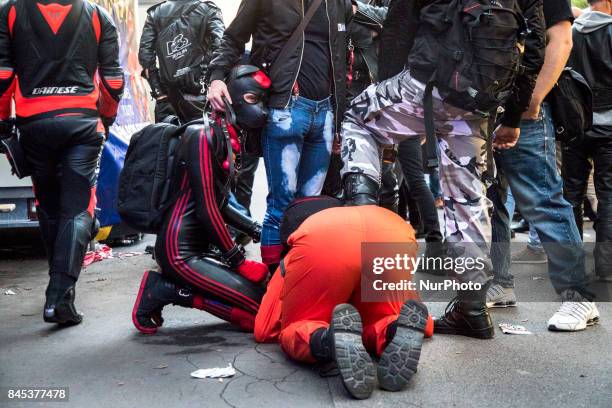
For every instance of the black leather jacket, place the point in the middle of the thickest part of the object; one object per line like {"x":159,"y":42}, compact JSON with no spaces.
{"x":400,"y":30}
{"x":270,"y":23}
{"x":206,"y":20}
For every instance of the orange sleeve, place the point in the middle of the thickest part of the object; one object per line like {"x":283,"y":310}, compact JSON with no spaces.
{"x":268,"y":319}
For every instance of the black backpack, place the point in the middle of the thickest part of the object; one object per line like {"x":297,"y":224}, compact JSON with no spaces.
{"x":571,"y":104}
{"x":145,"y":182}
{"x":471,"y":50}
{"x":180,"y":54}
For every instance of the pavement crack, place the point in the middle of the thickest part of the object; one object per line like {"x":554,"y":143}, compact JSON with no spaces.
{"x":224,"y":389}
{"x":191,"y":362}
{"x":263,"y":353}
{"x":222,"y":395}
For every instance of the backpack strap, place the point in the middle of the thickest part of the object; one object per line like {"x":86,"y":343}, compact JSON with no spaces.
{"x":295,"y":39}
{"x":490,"y":175}
{"x":430,"y":130}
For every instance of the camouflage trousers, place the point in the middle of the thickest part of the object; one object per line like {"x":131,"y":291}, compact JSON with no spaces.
{"x":392,"y":111}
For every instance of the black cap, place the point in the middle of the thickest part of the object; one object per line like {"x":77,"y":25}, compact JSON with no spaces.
{"x":302,"y":208}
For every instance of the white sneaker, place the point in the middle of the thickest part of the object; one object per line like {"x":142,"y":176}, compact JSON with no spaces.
{"x":574,"y":316}
{"x":498,"y":296}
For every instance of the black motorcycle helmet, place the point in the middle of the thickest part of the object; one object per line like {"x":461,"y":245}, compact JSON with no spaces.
{"x":249,"y":87}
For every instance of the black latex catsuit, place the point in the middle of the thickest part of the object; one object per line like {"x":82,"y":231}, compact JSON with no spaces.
{"x":197,"y":222}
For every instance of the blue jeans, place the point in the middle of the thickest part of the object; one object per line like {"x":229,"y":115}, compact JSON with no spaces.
{"x":531,"y":172}
{"x":297,"y":143}
{"x":534,"y":241}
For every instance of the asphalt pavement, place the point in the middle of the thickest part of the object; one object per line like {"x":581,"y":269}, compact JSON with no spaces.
{"x":105,"y":362}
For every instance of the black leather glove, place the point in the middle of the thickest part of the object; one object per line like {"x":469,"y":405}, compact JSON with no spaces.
{"x":157,"y":91}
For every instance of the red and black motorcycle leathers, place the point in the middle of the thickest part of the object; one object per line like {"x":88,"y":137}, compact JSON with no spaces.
{"x":59,"y":63}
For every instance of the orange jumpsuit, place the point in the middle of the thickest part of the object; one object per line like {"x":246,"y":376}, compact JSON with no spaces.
{"x":322,"y":270}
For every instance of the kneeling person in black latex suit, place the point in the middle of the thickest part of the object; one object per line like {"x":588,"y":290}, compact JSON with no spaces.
{"x":229,"y":288}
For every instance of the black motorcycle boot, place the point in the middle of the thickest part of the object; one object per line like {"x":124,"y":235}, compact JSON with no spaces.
{"x":360,"y":189}
{"x":48,"y":230}
{"x":73,"y":236}
{"x":467,"y":315}
{"x":61,"y":310}
{"x":154,"y":293}
{"x":400,"y":358}
{"x":354,"y":363}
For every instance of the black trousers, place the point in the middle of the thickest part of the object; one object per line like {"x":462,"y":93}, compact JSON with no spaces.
{"x":411,"y":160}
{"x":186,"y":109}
{"x":163,"y":109}
{"x":63,"y":154}
{"x":578,"y":161}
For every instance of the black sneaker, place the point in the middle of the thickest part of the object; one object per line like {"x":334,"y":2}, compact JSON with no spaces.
{"x":61,"y":309}
{"x":155,"y":292}
{"x":354,"y":363}
{"x":399,"y":361}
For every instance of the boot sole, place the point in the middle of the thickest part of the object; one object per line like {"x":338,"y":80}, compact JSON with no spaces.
{"x":353,"y":361}
{"x":64,"y":316}
{"x":139,"y":327}
{"x":589,"y":323}
{"x":484,"y":334}
{"x":501,"y":305}
{"x":399,"y":361}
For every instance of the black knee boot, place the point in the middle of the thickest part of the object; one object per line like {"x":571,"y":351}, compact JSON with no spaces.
{"x":467,"y":315}
{"x":360,"y":189}
{"x":73,"y":236}
{"x":48,"y":231}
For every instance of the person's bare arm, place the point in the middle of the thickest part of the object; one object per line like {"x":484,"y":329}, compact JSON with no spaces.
{"x":558,"y":51}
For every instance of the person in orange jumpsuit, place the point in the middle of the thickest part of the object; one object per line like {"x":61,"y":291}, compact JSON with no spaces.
{"x":314,"y":305}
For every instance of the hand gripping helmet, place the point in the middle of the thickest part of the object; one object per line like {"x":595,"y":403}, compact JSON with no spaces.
{"x":249,"y":87}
